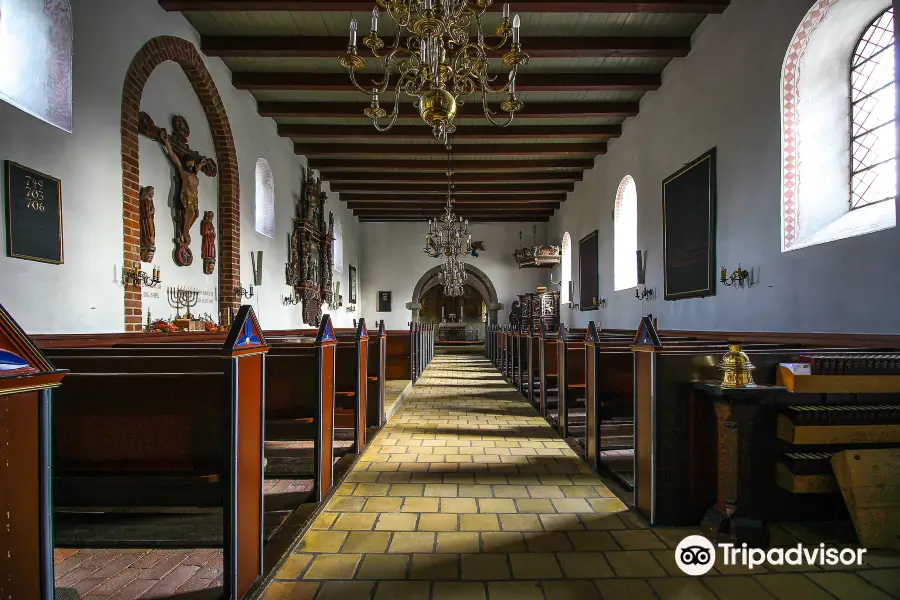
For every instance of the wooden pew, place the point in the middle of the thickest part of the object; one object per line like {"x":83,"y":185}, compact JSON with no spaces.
{"x":351,"y":382}
{"x":570,"y":361}
{"x":547,"y":368}
{"x":377,"y":365}
{"x":174,"y":427}
{"x":27,"y":382}
{"x":400,"y":354}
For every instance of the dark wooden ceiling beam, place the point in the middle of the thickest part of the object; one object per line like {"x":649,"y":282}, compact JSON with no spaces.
{"x":435,"y":149}
{"x":483,"y":199}
{"x":328,"y":165}
{"x":532,"y":82}
{"x":295,"y":46}
{"x":520,"y":6}
{"x":424,"y":218}
{"x":532,"y":110}
{"x":412,"y":132}
{"x":440,"y":188}
{"x":439,"y":206}
{"x":441,"y":178}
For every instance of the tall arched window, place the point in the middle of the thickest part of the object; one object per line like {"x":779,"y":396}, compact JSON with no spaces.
{"x":625,"y":235}
{"x":566,"y":264}
{"x":838,"y":133}
{"x":265,"y":199}
{"x":338,"y":246}
{"x":873,"y":98}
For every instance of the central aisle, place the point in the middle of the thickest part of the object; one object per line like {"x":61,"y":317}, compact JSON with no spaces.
{"x":468,"y":494}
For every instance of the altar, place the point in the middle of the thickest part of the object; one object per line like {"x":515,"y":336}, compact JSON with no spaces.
{"x":459,"y":332}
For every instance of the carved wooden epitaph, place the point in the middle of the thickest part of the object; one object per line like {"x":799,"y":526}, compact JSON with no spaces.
{"x":187,"y":163}
{"x":311,"y":262}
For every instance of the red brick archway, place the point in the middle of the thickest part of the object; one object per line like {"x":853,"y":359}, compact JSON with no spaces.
{"x":155,"y":52}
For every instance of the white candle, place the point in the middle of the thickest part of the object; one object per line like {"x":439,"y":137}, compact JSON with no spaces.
{"x":375,"y":19}
{"x":353,"y":32}
{"x":506,"y":11}
{"x":516,"y":23}
{"x":428,"y":4}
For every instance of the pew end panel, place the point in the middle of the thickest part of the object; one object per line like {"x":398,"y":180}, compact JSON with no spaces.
{"x":27,"y":380}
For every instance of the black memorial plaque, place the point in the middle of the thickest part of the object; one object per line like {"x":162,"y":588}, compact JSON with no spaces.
{"x":384,"y":302}
{"x":689,"y":230}
{"x":589,"y":271}
{"x":33,"y":215}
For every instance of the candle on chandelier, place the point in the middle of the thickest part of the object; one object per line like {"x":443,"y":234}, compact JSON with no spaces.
{"x":353,"y":32}
{"x":375,"y":20}
{"x":516,"y":23}
{"x":428,"y":4}
{"x":506,"y":11}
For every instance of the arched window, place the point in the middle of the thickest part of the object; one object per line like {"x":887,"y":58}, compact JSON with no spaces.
{"x":625,"y":235}
{"x":837,"y":124}
{"x":265,"y":199}
{"x":566,"y":264}
{"x":873,"y":99}
{"x":338,"y":246}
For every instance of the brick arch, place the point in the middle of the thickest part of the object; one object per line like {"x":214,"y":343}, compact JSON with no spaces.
{"x":155,"y":52}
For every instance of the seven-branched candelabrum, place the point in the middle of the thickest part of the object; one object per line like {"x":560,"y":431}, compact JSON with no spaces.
{"x":437,"y":62}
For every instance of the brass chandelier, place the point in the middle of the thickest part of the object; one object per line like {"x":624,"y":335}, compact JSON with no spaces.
{"x":445,"y":240}
{"x":437,"y":62}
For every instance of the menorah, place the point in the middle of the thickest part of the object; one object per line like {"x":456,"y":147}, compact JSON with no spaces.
{"x":183,"y":298}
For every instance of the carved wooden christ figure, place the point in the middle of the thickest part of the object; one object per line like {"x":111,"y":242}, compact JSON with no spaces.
{"x":208,"y":249}
{"x":188,"y":163}
{"x":148,"y":227}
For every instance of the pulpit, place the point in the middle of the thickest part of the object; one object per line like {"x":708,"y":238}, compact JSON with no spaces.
{"x":26,"y":536}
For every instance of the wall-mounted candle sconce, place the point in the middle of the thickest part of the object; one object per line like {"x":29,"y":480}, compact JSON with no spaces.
{"x":293,"y":299}
{"x":646,"y":293}
{"x":351,"y":308}
{"x":739,"y":278}
{"x":241,"y":292}
{"x":600,"y":302}
{"x":256,"y":264}
{"x":572,"y":304}
{"x":136,"y":276}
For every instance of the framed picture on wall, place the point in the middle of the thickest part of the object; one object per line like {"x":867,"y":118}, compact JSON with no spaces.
{"x":352,"y":285}
{"x":34,"y":229}
{"x":589,"y":271}
{"x":384,"y":302}
{"x":689,"y":230}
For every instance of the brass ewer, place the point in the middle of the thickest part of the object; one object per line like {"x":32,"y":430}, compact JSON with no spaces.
{"x":736,"y":368}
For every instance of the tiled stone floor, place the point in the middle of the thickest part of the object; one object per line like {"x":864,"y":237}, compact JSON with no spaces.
{"x":468,"y":494}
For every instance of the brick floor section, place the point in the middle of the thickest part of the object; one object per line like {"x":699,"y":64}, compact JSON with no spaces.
{"x":468,"y":494}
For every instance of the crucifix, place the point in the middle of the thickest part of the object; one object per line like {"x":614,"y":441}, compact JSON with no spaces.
{"x":188,"y":163}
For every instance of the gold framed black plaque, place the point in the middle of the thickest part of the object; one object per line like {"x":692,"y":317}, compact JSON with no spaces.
{"x":589,"y":271}
{"x":384,"y":302}
{"x":352,"y":285}
{"x":689,"y":230}
{"x":34,"y":229}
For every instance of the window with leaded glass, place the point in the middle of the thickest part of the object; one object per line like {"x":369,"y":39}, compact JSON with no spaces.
{"x":873,"y":113}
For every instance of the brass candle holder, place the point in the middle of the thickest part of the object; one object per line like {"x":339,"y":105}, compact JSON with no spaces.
{"x":136,"y":276}
{"x":736,"y":368}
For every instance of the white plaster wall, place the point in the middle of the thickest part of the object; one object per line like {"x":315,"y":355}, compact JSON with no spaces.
{"x":393,"y":261}
{"x":85,"y":294}
{"x":727,"y":94}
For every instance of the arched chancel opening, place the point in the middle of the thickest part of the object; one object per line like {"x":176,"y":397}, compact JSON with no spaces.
{"x":152,"y":54}
{"x":477,"y":280}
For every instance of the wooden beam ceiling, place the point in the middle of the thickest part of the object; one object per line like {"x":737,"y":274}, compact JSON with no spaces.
{"x":512,"y":199}
{"x":533,"y":110}
{"x":340,"y":82}
{"x":485,"y":132}
{"x":260,"y":46}
{"x":586,"y":80}
{"x":460,"y":189}
{"x":458,"y":178}
{"x":435,"y":149}
{"x":387,"y":165}
{"x":521,"y":6}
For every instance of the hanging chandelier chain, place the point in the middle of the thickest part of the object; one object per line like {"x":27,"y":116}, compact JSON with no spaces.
{"x":448,"y":238}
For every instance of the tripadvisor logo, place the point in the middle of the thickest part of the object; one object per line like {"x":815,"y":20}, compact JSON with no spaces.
{"x":696,"y":555}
